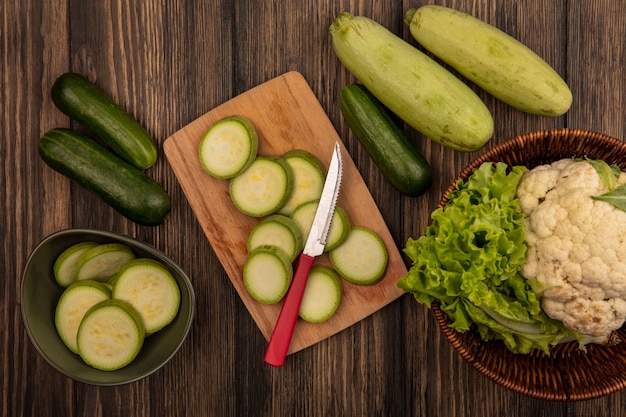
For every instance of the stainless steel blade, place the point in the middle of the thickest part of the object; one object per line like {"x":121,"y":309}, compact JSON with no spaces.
{"x":316,"y":241}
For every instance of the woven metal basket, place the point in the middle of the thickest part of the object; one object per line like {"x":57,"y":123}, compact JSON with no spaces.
{"x":567,"y":374}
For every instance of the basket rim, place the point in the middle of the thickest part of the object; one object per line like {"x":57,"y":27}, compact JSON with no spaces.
{"x":470,"y":347}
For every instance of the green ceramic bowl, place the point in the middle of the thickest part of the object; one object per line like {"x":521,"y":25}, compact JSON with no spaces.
{"x":40,"y":293}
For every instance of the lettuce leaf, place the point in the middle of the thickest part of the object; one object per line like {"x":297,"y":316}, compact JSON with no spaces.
{"x":468,"y":258}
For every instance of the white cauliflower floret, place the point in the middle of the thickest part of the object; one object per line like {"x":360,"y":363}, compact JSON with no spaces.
{"x":577,"y":246}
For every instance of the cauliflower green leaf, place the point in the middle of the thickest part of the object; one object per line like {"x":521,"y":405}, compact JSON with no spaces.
{"x":617,"y":197}
{"x":607,"y":173}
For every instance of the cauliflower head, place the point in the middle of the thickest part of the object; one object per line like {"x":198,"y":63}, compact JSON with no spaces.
{"x":577,"y":247}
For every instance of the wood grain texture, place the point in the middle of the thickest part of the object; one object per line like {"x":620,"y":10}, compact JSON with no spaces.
{"x":286,"y":116}
{"x":171,"y":62}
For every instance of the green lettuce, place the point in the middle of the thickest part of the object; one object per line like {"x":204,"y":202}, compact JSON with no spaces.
{"x":468,"y":261}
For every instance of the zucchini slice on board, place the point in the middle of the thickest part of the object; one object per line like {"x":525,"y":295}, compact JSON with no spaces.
{"x":362,"y":259}
{"x":267,"y":274}
{"x":263,"y":188}
{"x":339,"y":227}
{"x":322,"y":294}
{"x":151,"y":289}
{"x":309,"y":175}
{"x":75,"y":301}
{"x":110,"y":335}
{"x":228,"y":147}
{"x":277,"y":230}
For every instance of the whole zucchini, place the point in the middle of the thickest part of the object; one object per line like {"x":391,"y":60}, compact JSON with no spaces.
{"x":403,"y":166}
{"x":493,"y":60}
{"x":411,"y":84}
{"x":83,"y":101}
{"x":123,"y":186}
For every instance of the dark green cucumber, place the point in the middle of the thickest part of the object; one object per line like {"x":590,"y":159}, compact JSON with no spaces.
{"x":123,"y":186}
{"x":401,"y":164}
{"x":83,"y":101}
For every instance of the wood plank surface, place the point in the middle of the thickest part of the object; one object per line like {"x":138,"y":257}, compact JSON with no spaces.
{"x":286,"y":116}
{"x":170,"y":63}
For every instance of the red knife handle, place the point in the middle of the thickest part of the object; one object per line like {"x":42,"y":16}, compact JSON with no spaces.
{"x":283,"y":331}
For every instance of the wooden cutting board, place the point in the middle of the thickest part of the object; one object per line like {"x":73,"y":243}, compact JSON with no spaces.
{"x":287,"y":116}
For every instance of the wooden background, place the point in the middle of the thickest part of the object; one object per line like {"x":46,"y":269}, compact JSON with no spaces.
{"x":170,"y":62}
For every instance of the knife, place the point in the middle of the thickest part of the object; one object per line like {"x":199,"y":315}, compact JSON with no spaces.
{"x":314,"y":246}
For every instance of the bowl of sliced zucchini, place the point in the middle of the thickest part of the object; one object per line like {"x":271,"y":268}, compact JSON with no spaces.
{"x":104,"y":308}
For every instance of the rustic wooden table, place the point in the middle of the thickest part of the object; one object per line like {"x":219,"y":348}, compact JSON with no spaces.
{"x":169,"y":63}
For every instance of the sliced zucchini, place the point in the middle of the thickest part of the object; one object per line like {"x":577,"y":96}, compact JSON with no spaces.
{"x":102,"y":262}
{"x":110,"y":335}
{"x":309,"y":175}
{"x":229,"y":147}
{"x":151,"y":289}
{"x":263,"y":188}
{"x":277,"y":230}
{"x":362,"y":259}
{"x":267,"y":274}
{"x":339,"y":228}
{"x":65,"y":265}
{"x":322,"y":294}
{"x":75,"y":301}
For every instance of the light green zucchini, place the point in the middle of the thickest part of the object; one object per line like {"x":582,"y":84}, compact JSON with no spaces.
{"x":493,"y":60}
{"x":411,"y":84}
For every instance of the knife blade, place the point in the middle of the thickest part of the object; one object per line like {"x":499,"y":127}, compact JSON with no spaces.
{"x":314,"y":247}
